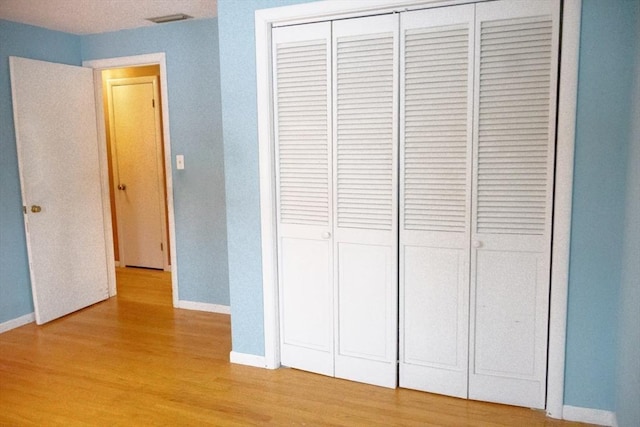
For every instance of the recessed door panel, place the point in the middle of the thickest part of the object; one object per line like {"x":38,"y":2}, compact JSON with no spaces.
{"x":307,"y":335}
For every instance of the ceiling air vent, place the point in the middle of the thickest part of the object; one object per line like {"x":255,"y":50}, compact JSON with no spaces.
{"x":169,"y":18}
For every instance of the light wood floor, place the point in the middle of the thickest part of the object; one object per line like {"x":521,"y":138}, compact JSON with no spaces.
{"x":134,"y":360}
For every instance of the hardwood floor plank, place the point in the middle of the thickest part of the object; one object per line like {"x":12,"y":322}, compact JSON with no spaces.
{"x":134,"y":360}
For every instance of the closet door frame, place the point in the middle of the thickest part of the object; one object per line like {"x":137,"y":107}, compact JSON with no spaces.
{"x":565,"y":139}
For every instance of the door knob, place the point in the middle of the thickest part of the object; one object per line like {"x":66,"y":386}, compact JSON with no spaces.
{"x":122,"y":187}
{"x":326,"y":235}
{"x":36,"y":208}
{"x":477,"y":244}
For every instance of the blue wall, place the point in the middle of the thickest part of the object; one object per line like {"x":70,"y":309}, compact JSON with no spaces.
{"x":240,"y":125}
{"x":36,"y":43}
{"x":193,"y":80}
{"x":605,"y":80}
{"x":628,"y":356}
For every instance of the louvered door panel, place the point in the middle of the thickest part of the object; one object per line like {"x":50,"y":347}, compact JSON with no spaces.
{"x":516,"y":68}
{"x":436,"y":136}
{"x":436,"y":104}
{"x":303,"y":152}
{"x":365,"y":56}
{"x":513,"y":135}
{"x":364,"y":123}
{"x":302,"y":110}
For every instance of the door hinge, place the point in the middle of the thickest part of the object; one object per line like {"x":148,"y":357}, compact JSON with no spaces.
{"x":153,"y":103}
{"x":24,"y":210}
{"x":161,"y":247}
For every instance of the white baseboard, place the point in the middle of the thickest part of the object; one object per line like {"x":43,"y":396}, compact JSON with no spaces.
{"x":17,"y":322}
{"x":203,"y":306}
{"x":588,"y":415}
{"x":247,"y":359}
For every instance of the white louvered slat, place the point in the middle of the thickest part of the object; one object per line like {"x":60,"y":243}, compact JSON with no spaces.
{"x":365,"y":131}
{"x":435,"y":125}
{"x":303,"y":132}
{"x":513,"y":126}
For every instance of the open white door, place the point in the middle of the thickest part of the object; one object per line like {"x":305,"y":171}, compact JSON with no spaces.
{"x":55,"y":122}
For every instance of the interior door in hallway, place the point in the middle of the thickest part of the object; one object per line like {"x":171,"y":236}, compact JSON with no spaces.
{"x":58,"y":155}
{"x":138,"y":174}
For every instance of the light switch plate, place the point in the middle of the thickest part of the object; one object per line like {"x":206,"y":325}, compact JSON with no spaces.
{"x":180,"y":161}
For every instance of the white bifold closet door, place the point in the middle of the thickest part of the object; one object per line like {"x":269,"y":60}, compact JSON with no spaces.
{"x":365,"y":108}
{"x":336,"y":161}
{"x":435,"y":193}
{"x":513,"y":169}
{"x":476,"y":209}
{"x":302,"y":97}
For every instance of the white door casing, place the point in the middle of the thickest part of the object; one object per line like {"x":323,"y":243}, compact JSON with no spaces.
{"x":138,"y":172}
{"x":58,"y":154}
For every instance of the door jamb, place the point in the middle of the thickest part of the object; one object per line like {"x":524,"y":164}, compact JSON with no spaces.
{"x":130,"y":61}
{"x":324,"y":10}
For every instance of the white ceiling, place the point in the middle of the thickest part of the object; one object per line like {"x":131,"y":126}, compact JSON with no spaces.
{"x":99,"y":16}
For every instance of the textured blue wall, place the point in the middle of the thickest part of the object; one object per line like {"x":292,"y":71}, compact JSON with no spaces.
{"x":35,"y":43}
{"x":604,"y":121}
{"x":628,"y":357}
{"x":193,"y":80}
{"x":239,"y":116}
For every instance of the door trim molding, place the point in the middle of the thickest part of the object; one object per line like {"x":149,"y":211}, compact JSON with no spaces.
{"x":324,"y":10}
{"x":130,"y":61}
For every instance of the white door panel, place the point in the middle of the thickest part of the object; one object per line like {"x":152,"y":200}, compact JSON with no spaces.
{"x":435,"y":197}
{"x":364,"y":277}
{"x":307,"y":335}
{"x":516,"y":65}
{"x":435,"y":332}
{"x":365,"y":56}
{"x":302,"y":94}
{"x":434,"y":282}
{"x":55,"y":122}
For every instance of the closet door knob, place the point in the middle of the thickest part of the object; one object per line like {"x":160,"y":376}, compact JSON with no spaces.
{"x":326,"y":235}
{"x":477,"y":244}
